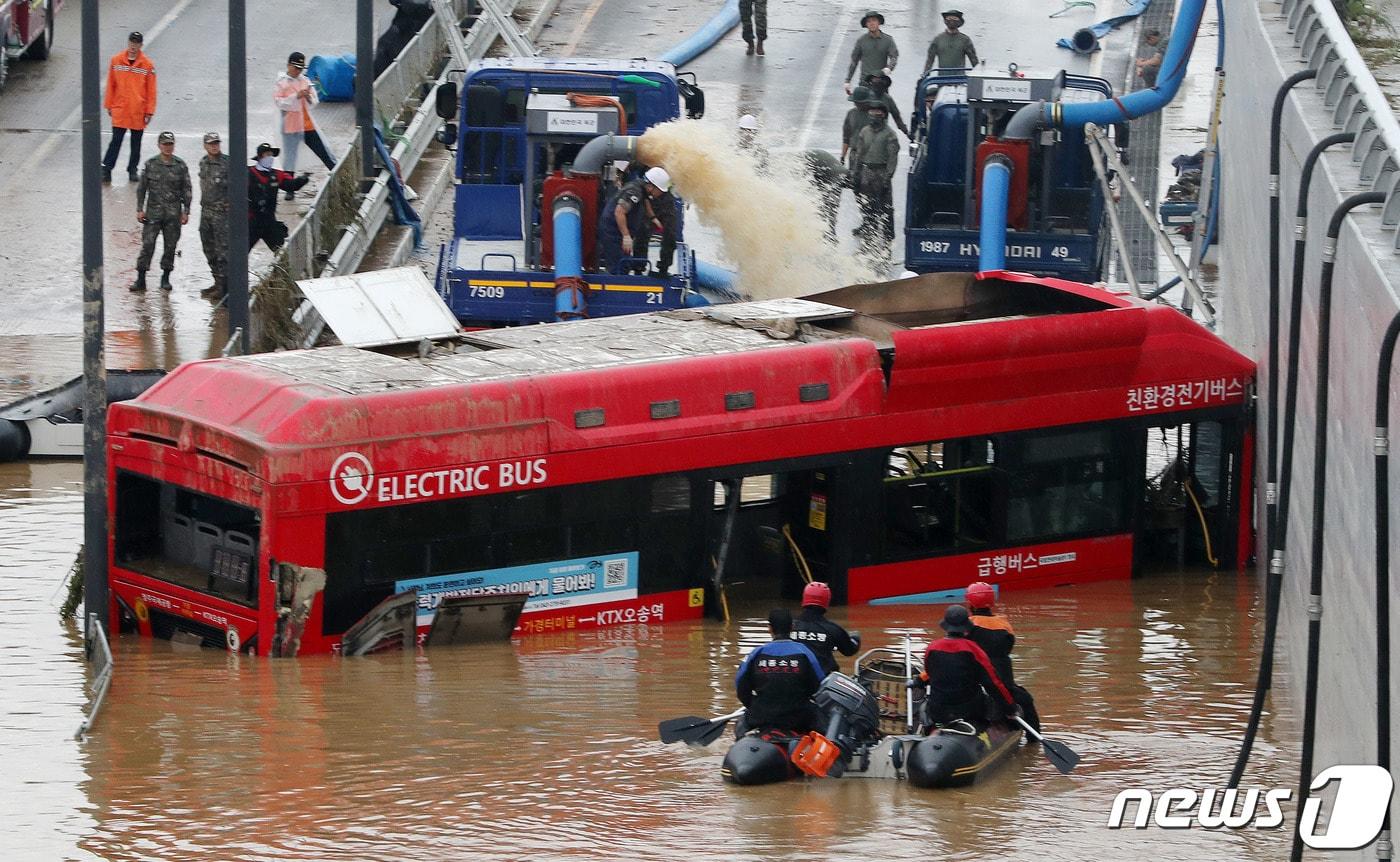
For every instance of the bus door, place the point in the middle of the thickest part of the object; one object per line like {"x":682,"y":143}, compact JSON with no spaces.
{"x":769,"y":533}
{"x":1190,"y":502}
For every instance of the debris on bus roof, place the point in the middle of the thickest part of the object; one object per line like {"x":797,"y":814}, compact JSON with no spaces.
{"x":383,"y":307}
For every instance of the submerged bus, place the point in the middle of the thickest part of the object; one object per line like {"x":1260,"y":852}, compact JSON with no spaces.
{"x":893,"y":440}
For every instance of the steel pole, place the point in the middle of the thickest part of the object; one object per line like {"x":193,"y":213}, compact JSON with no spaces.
{"x":364,"y":87}
{"x":94,"y":360}
{"x":239,"y":300}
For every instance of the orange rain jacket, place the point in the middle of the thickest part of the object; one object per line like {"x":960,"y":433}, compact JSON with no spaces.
{"x":131,"y":90}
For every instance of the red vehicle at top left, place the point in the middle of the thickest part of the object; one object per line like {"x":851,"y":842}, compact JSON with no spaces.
{"x":26,"y":30}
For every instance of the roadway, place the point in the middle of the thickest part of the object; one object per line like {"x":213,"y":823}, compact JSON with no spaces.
{"x":795,"y":89}
{"x":40,"y":178}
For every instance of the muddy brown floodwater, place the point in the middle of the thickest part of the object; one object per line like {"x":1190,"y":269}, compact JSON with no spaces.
{"x":545,"y":748}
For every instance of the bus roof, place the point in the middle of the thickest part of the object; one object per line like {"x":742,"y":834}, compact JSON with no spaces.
{"x":990,"y":352}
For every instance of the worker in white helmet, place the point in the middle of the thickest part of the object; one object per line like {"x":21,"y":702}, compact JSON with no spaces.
{"x":666,"y":221}
{"x":747,"y":133}
{"x":624,"y":225}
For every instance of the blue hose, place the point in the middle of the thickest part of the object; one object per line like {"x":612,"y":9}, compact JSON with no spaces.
{"x":568,"y":258}
{"x":712,"y":277}
{"x":701,"y":40}
{"x":1040,"y":115}
{"x":1136,"y":104}
{"x":996,"y":188}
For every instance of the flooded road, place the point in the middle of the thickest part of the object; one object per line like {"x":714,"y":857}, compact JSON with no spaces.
{"x":545,"y":748}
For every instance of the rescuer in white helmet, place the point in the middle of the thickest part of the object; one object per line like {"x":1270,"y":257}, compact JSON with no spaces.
{"x":624,"y":226}
{"x":747,"y":135}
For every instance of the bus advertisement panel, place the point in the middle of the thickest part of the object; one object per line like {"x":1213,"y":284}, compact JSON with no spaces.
{"x":552,"y":586}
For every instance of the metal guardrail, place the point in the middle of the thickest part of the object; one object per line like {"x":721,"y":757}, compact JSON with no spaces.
{"x":102,"y":666}
{"x":1350,"y":90}
{"x":355,"y":242}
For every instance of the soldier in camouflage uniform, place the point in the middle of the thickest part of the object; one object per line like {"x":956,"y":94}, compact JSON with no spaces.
{"x":874,"y":158}
{"x":162,"y":205}
{"x":213,"y":212}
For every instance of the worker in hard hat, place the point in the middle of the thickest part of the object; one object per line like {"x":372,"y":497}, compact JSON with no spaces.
{"x":874,"y":158}
{"x":819,"y":634}
{"x":667,"y":223}
{"x":993,"y":633}
{"x":748,"y":141}
{"x":624,"y":225}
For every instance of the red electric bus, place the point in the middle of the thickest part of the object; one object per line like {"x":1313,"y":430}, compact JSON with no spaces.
{"x":892,"y":440}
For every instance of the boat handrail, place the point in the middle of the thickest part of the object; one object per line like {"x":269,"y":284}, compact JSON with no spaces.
{"x":892,"y":652}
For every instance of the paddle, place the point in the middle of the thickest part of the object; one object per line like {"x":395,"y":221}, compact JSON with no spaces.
{"x":694,"y":729}
{"x":1058,"y":753}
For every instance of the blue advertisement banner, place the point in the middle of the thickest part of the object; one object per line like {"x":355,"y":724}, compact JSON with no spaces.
{"x":560,"y":584}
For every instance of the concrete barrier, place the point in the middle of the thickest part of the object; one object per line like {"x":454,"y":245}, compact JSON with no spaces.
{"x":1265,"y":46}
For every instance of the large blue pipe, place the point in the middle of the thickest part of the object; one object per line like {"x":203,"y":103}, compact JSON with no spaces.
{"x":712,"y":277}
{"x":700,"y":41}
{"x":568,"y":258}
{"x":1040,"y":115}
{"x":996,"y":188}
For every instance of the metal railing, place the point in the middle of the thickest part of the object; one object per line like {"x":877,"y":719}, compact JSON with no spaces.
{"x":101,"y":663}
{"x":354,"y":243}
{"x":1350,"y":90}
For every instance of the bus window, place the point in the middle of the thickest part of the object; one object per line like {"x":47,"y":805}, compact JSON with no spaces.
{"x":752,"y":490}
{"x":183,"y":537}
{"x":1065,"y":484}
{"x":939,"y":496}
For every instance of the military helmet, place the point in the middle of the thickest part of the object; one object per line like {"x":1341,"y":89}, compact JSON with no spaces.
{"x":862,"y":94}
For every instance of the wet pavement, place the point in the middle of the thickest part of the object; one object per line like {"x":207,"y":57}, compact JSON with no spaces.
{"x":40,"y":179}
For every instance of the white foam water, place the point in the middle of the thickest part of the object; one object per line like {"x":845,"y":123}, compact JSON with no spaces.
{"x":770,"y":222}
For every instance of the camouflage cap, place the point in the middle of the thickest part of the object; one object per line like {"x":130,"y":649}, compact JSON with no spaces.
{"x":211,"y":137}
{"x":165,"y":138}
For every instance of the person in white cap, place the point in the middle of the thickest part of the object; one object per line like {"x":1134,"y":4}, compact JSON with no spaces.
{"x":627,"y":218}
{"x":748,"y":141}
{"x":666,"y":220}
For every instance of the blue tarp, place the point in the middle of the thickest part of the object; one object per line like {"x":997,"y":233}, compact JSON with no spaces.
{"x":398,"y":202}
{"x":1103,"y":28}
{"x":334,"y":77}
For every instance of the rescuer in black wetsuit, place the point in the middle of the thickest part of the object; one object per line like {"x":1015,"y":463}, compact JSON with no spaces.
{"x":993,"y":633}
{"x":819,"y":634}
{"x":776,"y":683}
{"x":961,"y":676}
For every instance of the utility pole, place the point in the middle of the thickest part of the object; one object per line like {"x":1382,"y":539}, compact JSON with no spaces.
{"x":94,"y":359}
{"x":238,"y":299}
{"x":364,"y":88}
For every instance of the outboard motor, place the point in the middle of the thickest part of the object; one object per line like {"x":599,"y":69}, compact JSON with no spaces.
{"x":852,"y":717}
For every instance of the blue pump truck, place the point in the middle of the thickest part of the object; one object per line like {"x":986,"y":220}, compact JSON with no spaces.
{"x":1055,"y":209}
{"x":525,"y":215}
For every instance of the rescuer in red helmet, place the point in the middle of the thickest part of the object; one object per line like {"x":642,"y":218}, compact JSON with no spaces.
{"x":818,"y":633}
{"x":993,"y":633}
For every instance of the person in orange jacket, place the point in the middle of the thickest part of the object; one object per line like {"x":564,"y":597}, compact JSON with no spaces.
{"x":130,"y":102}
{"x":993,"y":633}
